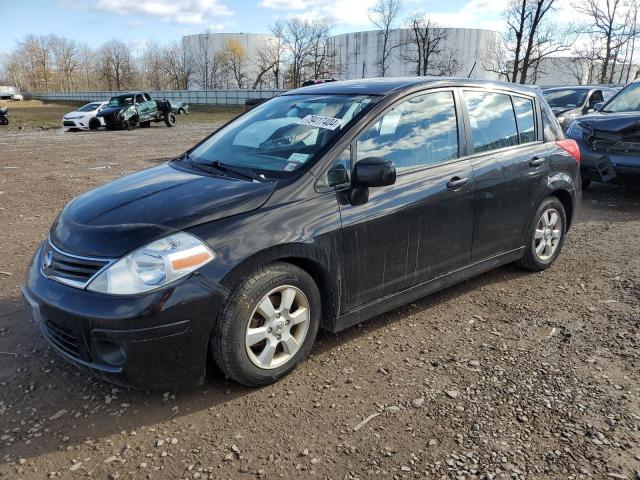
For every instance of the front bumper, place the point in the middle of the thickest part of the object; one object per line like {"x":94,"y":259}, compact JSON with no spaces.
{"x":605,"y":167}
{"x":81,"y":123}
{"x":157,"y":340}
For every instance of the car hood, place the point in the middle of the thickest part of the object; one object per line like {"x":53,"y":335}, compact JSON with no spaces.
{"x":612,"y":122}
{"x":125,"y":214}
{"x":112,"y":110}
{"x":560,"y":110}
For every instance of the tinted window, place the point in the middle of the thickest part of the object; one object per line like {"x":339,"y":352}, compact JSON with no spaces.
{"x":139,"y":99}
{"x":493,"y":124}
{"x":526,"y":119}
{"x":628,"y":100}
{"x":551,"y":129}
{"x":566,"y":98}
{"x":420,"y":131}
{"x":147,"y":97}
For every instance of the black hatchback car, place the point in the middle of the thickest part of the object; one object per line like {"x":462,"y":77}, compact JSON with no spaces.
{"x":319,"y":208}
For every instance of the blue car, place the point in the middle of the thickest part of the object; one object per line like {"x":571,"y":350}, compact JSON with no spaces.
{"x":609,"y":138}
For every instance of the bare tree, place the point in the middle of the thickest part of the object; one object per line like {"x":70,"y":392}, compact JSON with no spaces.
{"x":610,"y":22}
{"x":206,"y":62}
{"x":268,"y":60}
{"x":177,"y":66}
{"x":66,"y":60}
{"x":116,"y":64}
{"x":385,"y":15}
{"x":424,"y":47}
{"x":234,"y":60}
{"x":153,"y":73}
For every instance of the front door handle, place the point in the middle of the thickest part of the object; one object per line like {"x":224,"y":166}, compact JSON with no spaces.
{"x":456,"y":182}
{"x":537,"y":161}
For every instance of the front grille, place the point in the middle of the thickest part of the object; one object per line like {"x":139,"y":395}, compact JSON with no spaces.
{"x":70,"y":269}
{"x":63,"y":338}
{"x":68,"y":123}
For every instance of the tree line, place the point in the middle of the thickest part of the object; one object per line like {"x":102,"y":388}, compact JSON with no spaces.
{"x":299,"y":49}
{"x":601,"y":45}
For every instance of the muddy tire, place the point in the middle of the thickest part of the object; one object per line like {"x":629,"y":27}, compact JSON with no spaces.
{"x":94,"y":124}
{"x":545,"y":236}
{"x":268,"y":325}
{"x":170,"y":119}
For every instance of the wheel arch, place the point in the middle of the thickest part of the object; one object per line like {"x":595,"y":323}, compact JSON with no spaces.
{"x":303,"y":257}
{"x":567,"y":202}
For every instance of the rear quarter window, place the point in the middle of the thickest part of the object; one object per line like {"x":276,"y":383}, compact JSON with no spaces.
{"x":551,"y":128}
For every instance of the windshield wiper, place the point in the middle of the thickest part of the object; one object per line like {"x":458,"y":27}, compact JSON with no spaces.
{"x":218,"y":165}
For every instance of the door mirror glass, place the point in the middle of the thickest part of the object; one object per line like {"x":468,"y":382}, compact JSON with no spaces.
{"x":598,"y":106}
{"x":374,"y":172}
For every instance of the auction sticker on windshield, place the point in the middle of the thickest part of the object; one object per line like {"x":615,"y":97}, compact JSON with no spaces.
{"x":329,"y":123}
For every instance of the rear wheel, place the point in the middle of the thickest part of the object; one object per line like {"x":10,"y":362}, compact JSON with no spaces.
{"x":268,"y":325}
{"x":4,"y":121}
{"x":545,"y":236}
{"x":170,"y":119}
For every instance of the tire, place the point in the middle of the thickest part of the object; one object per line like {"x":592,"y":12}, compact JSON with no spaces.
{"x":170,"y":119}
{"x":94,"y":124}
{"x":230,"y":340}
{"x":537,"y":257}
{"x":144,"y":124}
{"x":4,"y":121}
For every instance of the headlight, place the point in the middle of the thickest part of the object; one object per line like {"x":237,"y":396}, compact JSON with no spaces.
{"x":579,"y":131}
{"x":153,"y":266}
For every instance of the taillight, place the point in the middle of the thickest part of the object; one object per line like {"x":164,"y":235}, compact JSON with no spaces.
{"x":571,"y":147}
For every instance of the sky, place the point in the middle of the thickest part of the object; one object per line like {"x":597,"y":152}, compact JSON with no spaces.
{"x":139,"y":21}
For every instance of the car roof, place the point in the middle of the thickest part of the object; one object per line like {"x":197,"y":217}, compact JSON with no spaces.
{"x":386,"y":86}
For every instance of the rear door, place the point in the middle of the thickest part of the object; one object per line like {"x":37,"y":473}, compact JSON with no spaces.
{"x":509,"y":167}
{"x":420,"y":227}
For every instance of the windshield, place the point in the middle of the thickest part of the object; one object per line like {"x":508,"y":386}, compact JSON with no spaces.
{"x":283,"y":134}
{"x":89,"y":107}
{"x":565,"y":98}
{"x":626,"y":101}
{"x":121,"y":101}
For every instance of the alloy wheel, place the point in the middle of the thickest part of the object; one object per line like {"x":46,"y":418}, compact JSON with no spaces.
{"x":548,"y":234}
{"x":277,"y":327}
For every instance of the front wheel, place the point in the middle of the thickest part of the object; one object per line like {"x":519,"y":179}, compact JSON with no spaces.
{"x":94,"y":124}
{"x":170,"y":119}
{"x":545,"y":235}
{"x":268,"y":325}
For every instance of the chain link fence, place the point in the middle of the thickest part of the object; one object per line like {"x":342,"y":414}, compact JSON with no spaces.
{"x":193,"y":97}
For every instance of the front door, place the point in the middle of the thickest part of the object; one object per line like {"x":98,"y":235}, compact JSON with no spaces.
{"x":420,"y":227}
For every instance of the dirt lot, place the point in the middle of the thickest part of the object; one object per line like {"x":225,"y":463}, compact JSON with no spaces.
{"x":510,"y":375}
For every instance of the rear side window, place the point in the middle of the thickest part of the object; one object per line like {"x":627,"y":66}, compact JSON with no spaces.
{"x":420,"y":131}
{"x":493,"y":123}
{"x":551,"y":129}
{"x":526,"y":119}
{"x":139,"y":99}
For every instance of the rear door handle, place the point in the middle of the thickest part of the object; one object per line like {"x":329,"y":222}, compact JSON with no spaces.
{"x":457,"y":182}
{"x":537,"y":161}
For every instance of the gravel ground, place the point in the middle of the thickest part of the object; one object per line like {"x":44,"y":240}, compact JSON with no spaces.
{"x":509,"y":375}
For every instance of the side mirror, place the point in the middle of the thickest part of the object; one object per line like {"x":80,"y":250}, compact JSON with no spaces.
{"x":597,"y":106}
{"x":337,"y":175}
{"x":374,"y":172}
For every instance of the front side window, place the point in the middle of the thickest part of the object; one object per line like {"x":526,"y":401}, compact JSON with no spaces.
{"x":283,"y":134}
{"x":628,"y":100}
{"x":417,"y":132}
{"x":526,"y":119}
{"x":493,"y":124}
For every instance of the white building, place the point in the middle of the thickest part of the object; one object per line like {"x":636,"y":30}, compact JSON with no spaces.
{"x":558,"y":71}
{"x":210,"y":45}
{"x":463,"y":51}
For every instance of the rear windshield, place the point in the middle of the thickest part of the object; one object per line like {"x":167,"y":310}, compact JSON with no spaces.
{"x":283,"y":134}
{"x":569,"y":98}
{"x":627,"y":100}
